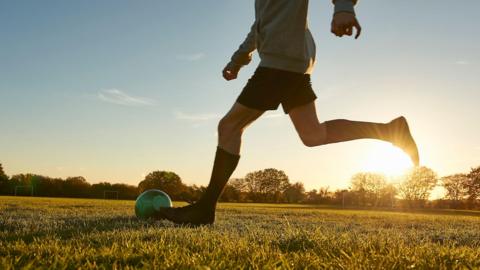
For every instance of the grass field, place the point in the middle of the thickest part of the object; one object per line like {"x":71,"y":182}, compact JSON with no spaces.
{"x":73,"y":233}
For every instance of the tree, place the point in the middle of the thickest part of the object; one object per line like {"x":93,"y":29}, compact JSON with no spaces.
{"x":320,"y":196}
{"x":192,"y":194}
{"x":369,"y":187}
{"x":417,"y":185}
{"x":77,"y":187}
{"x":97,"y":190}
{"x":230,"y":194}
{"x":125,"y":191}
{"x":266,"y":185}
{"x":20,"y":180}
{"x":235,"y":191}
{"x":473,"y":184}
{"x":3,"y":181}
{"x":387,"y":196}
{"x":311,"y":196}
{"x":295,"y":193}
{"x":239,"y":184}
{"x":456,"y":186}
{"x":168,"y":182}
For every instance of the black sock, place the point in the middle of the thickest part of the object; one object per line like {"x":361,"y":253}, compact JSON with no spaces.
{"x":341,"y":130}
{"x":223,"y":167}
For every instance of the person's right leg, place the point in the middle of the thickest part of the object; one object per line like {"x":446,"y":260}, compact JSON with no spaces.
{"x":230,"y":129}
{"x":314,"y":133}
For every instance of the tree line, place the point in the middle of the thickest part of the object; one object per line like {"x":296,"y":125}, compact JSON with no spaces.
{"x":462,"y":191}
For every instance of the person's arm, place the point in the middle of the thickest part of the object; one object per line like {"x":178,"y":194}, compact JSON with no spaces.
{"x":344,"y":19}
{"x":243,"y":55}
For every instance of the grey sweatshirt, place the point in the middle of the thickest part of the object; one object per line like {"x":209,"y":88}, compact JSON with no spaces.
{"x":281,"y":36}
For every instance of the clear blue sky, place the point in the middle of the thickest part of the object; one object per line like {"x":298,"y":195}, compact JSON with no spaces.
{"x":112,"y":90}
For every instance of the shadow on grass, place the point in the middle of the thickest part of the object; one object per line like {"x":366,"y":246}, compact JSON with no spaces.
{"x":74,"y":227}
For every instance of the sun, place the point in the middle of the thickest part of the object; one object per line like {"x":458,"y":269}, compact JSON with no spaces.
{"x":387,"y":159}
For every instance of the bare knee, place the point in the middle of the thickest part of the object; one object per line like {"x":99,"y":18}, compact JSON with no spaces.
{"x":308,"y":140}
{"x":313,"y":136}
{"x":228,"y":129}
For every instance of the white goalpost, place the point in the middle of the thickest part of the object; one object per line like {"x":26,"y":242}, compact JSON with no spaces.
{"x":110,"y":194}
{"x":18,"y":190}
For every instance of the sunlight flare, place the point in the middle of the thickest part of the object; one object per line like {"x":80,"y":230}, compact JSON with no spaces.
{"x":387,"y":159}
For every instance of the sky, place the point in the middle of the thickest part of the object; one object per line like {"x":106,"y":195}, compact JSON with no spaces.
{"x":112,"y":90}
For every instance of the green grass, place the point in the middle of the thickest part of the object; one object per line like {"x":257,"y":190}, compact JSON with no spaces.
{"x":72,"y":233}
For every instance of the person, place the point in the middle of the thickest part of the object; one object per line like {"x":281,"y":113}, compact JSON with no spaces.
{"x":286,"y":48}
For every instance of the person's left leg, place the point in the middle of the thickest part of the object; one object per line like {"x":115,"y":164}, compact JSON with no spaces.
{"x":313,"y":133}
{"x":230,"y":129}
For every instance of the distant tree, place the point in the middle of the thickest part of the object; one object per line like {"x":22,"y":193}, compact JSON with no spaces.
{"x":324,"y":192}
{"x":192,"y":193}
{"x":97,"y":190}
{"x":345,"y":197}
{"x":196,"y":192}
{"x":230,"y":194}
{"x":235,"y":191}
{"x":417,"y":186}
{"x":2,"y":172}
{"x":311,"y":196}
{"x":387,"y":196}
{"x":125,"y":192}
{"x":41,"y":184}
{"x":51,"y":187}
{"x":266,"y":185}
{"x":320,"y":196}
{"x":473,"y":184}
{"x":239,"y":184}
{"x":45,"y":186}
{"x":168,"y":182}
{"x":369,"y":187}
{"x":77,"y":187}
{"x":3,"y":182}
{"x":18,"y":180}
{"x":295,"y":193}
{"x":456,"y":186}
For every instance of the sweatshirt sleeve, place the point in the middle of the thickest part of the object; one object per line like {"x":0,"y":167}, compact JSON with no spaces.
{"x":243,"y":55}
{"x":344,"y":5}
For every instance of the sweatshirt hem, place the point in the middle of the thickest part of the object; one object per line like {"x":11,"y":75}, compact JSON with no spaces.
{"x":283,"y":63}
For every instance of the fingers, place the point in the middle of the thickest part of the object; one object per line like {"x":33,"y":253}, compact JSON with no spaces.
{"x":357,"y":26}
{"x":349,"y":30}
{"x":337,"y":31}
{"x":342,"y":29}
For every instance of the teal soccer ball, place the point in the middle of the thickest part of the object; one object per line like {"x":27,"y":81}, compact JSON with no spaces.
{"x":150,"y":201}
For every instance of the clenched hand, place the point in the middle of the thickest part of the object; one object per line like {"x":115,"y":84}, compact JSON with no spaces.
{"x":343,"y":24}
{"x":230,"y":72}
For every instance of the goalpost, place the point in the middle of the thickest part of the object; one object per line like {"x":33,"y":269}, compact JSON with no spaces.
{"x":17,"y":188}
{"x":110,"y":194}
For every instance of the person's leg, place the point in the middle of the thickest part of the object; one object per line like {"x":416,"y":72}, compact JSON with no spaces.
{"x":230,"y":129}
{"x":314,"y":133}
{"x":232,"y":125}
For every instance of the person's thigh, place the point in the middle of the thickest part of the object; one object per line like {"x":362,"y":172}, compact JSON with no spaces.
{"x":240,"y":116}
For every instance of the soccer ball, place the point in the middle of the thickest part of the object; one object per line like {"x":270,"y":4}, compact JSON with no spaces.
{"x":150,"y":201}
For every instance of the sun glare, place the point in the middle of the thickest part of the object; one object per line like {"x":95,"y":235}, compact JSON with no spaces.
{"x":387,"y":159}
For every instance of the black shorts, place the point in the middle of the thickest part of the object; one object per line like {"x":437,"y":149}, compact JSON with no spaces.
{"x":269,"y":87}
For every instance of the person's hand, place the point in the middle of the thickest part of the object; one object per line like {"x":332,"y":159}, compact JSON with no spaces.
{"x":343,"y":24}
{"x":230,"y":72}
